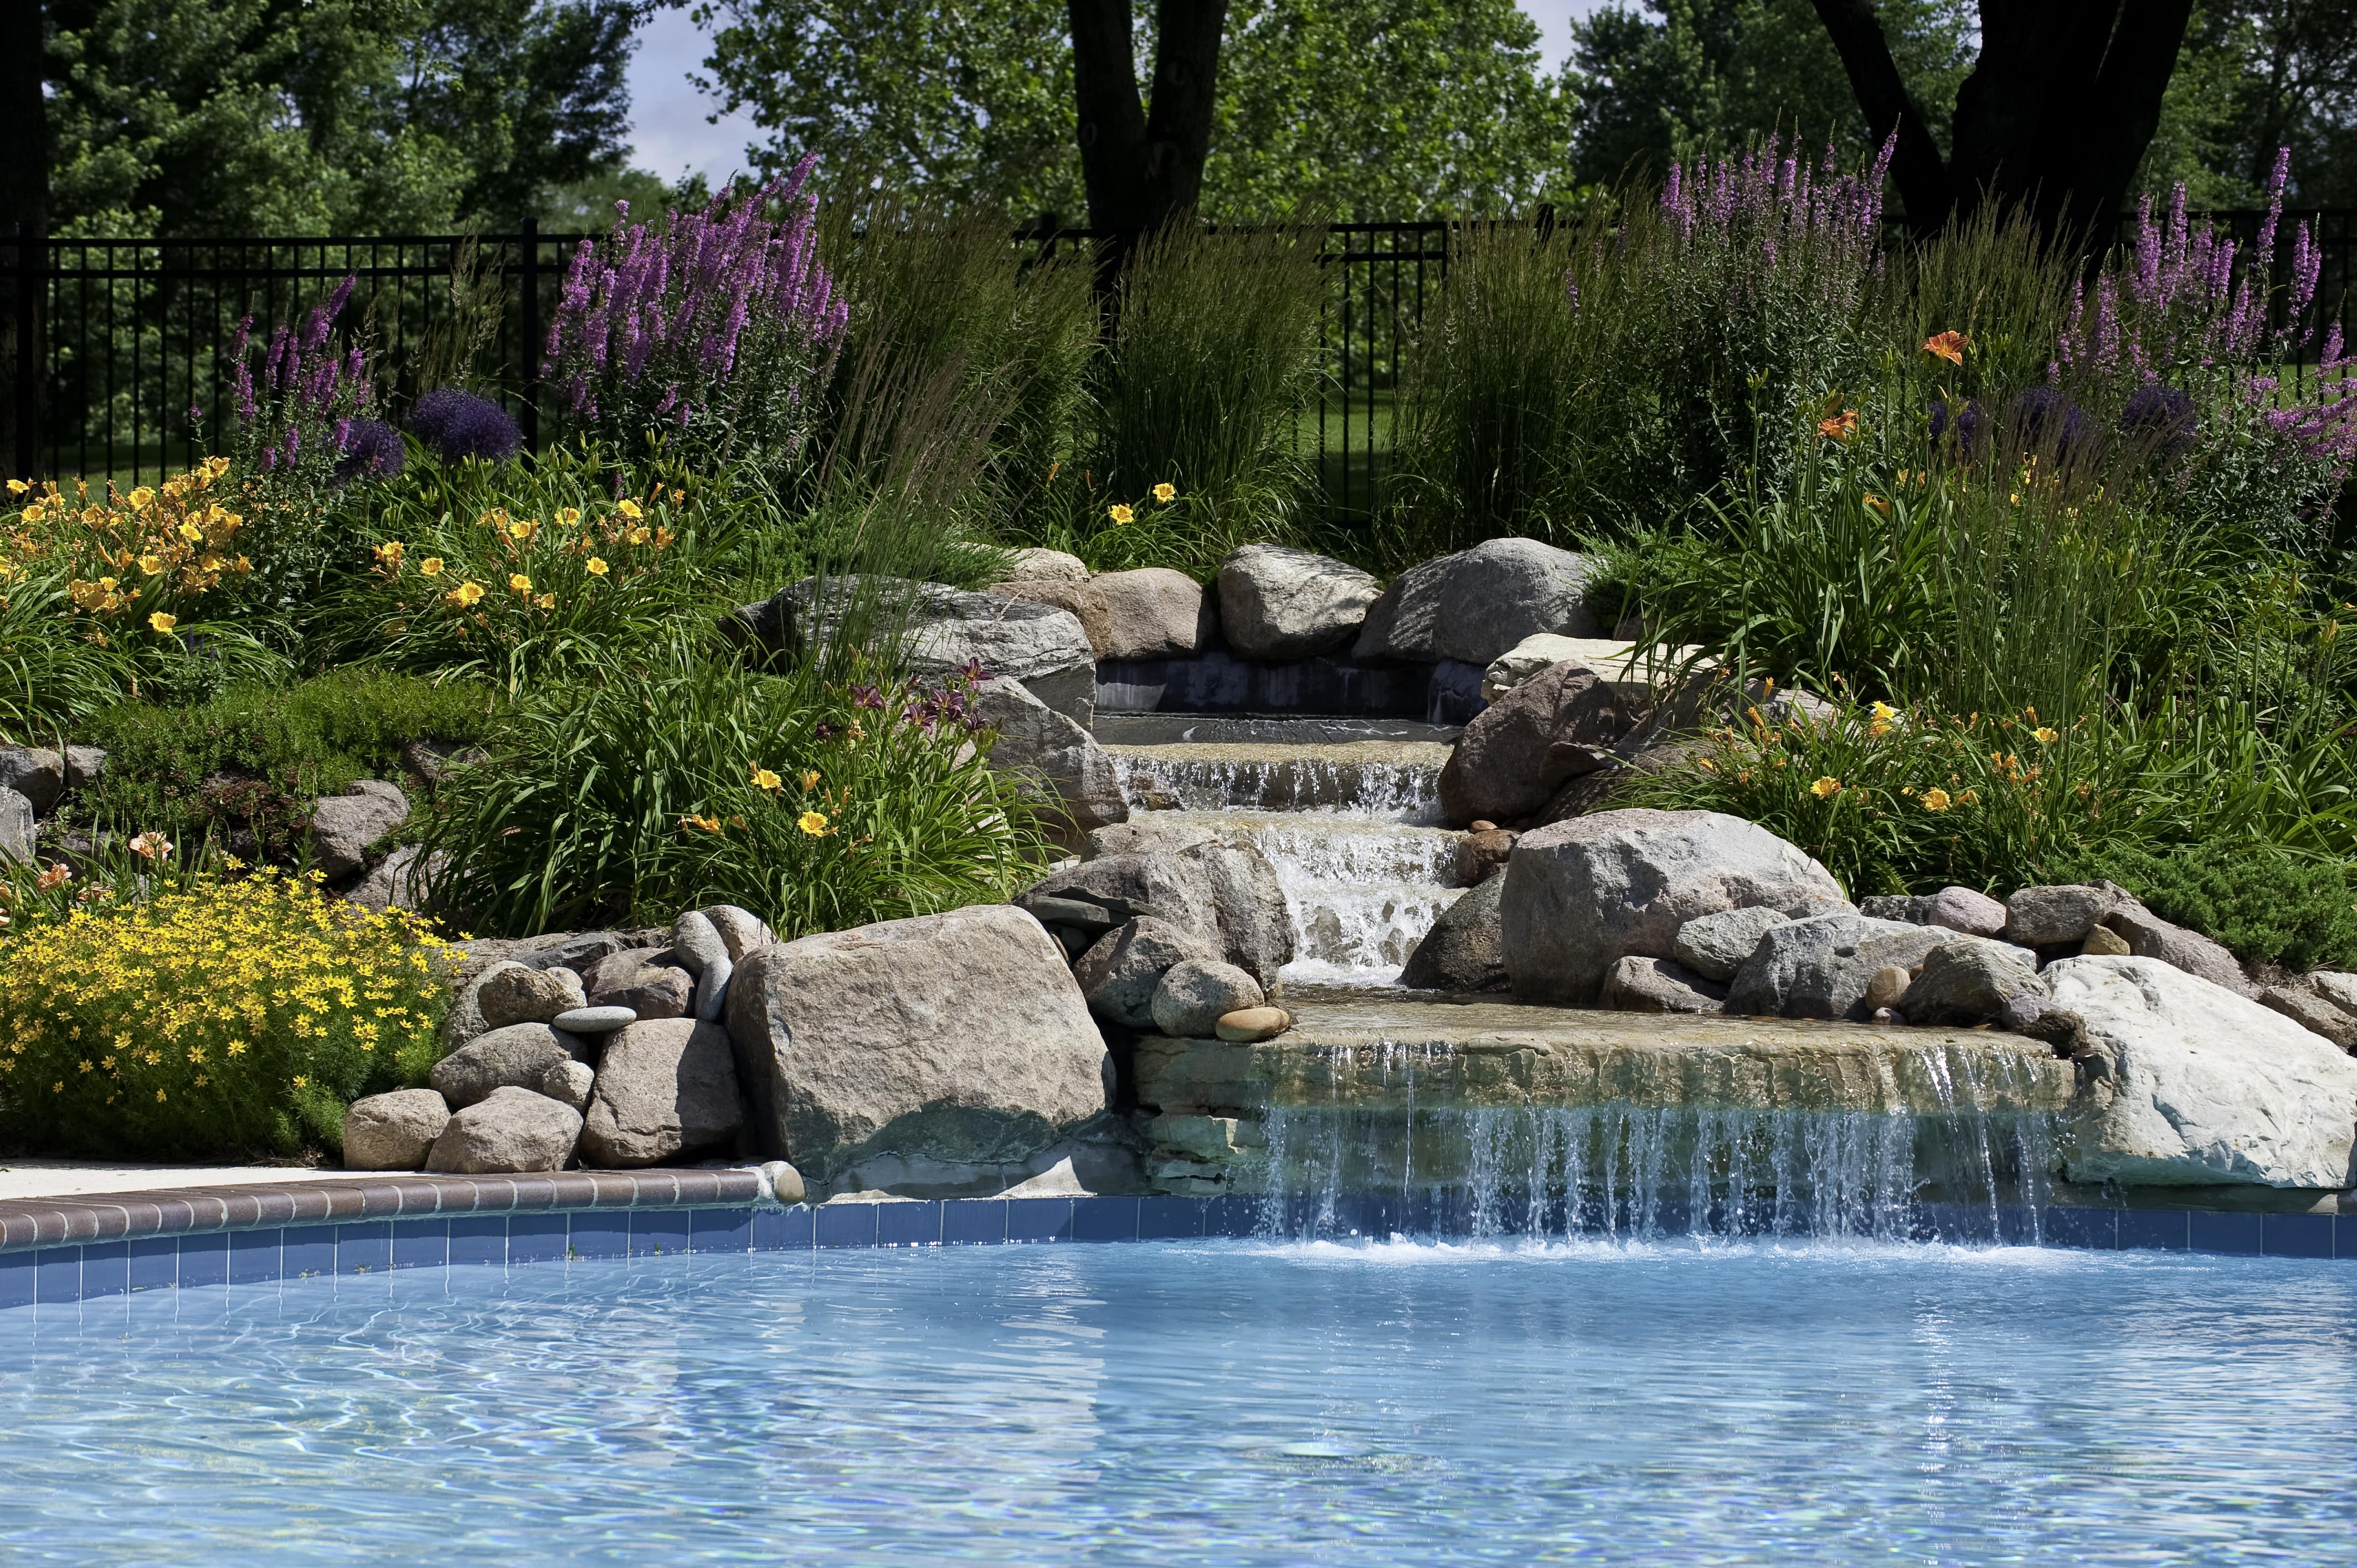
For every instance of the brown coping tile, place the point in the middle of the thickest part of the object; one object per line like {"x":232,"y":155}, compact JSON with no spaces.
{"x":532,"y":1192}
{"x":241,"y":1208}
{"x":420,"y":1196}
{"x":378,"y":1199}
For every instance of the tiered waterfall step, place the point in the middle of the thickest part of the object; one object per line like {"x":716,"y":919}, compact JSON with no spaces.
{"x":1398,"y":781}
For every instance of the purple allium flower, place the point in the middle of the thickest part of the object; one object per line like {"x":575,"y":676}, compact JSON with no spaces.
{"x":2162,"y":415}
{"x":2042,"y":416}
{"x":1967,"y":425}
{"x":459,"y":425}
{"x":371,"y":450}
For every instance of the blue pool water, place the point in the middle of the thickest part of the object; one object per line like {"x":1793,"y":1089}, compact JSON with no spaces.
{"x":1205,"y":1404}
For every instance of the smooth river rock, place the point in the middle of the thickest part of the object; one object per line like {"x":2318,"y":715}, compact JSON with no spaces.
{"x":2206,"y":1087}
{"x":1194,"y":994}
{"x":959,"y":1037}
{"x":665,"y":1089}
{"x":1280,"y":603}
{"x":1820,"y":967}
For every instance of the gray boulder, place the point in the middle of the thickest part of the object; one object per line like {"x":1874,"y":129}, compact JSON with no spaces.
{"x":2336,"y":987}
{"x":1122,"y":970}
{"x":1819,"y":967}
{"x":1716,"y":946}
{"x":1659,"y":985}
{"x":1466,"y":949}
{"x":741,"y":931}
{"x":2205,"y":1087}
{"x":83,"y":765}
{"x":570,"y":1082}
{"x":1037,"y":565}
{"x":1056,"y":764}
{"x":1584,"y":894}
{"x":697,"y":942}
{"x":1958,"y":908}
{"x":513,"y":1058}
{"x":514,"y":994}
{"x":2149,"y":936}
{"x":1279,"y":603}
{"x":663,"y":1090}
{"x":1153,"y":613}
{"x":2051,"y":915}
{"x":1194,"y":994}
{"x":1967,"y":982}
{"x":2310,"y":1011}
{"x":959,"y":1037}
{"x":1478,"y":603}
{"x":399,"y":880}
{"x":1225,"y":894}
{"x":1080,"y":599}
{"x":1522,"y":748}
{"x":16,"y":829}
{"x":644,"y":981}
{"x":35,"y":772}
{"x":393,"y":1132}
{"x":510,"y":1131}
{"x":343,"y":826}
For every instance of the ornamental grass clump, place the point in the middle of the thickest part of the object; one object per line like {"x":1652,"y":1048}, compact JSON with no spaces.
{"x":160,"y":1014}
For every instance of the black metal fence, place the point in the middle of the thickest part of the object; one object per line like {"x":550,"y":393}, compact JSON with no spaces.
{"x":130,"y":369}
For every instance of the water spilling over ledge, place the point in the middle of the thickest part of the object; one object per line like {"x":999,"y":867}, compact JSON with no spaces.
{"x":1491,"y":1117}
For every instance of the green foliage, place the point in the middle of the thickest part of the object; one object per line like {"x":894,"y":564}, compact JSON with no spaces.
{"x":250,"y":759}
{"x":692,"y":779}
{"x":2267,"y":907}
{"x":186,"y":1016}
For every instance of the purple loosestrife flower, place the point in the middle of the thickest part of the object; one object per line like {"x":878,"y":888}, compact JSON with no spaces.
{"x":460,"y":424}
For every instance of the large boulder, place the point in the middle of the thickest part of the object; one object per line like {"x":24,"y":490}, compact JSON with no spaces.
{"x":1582,"y":895}
{"x":393,"y":1132}
{"x":16,"y":829}
{"x":35,"y":772}
{"x":2149,"y":936}
{"x":1716,"y":946}
{"x":1225,"y":894}
{"x":516,"y":1057}
{"x":1819,"y":967}
{"x":1154,"y":613}
{"x":1658,"y":986}
{"x":2204,"y":1086}
{"x":1123,"y":969}
{"x":1056,"y":764}
{"x":942,"y":631}
{"x":511,"y":994}
{"x":1086,"y":605}
{"x":1958,"y":908}
{"x":1635,"y":673}
{"x":1478,"y":603}
{"x":1279,"y":603}
{"x":510,"y":1131}
{"x":664,"y":1088}
{"x":1196,"y":994}
{"x":1466,"y":949}
{"x":1522,"y":748}
{"x":959,"y":1037}
{"x":644,"y":979}
{"x":1968,"y":982}
{"x":343,"y":826}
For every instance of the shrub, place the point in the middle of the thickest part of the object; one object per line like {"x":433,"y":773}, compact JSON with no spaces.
{"x":2267,"y":907}
{"x":249,"y":759}
{"x":213,"y":1018}
{"x":817,"y":800}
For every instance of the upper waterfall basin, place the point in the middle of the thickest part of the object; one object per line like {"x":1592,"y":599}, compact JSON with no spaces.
{"x":1230,"y":1403}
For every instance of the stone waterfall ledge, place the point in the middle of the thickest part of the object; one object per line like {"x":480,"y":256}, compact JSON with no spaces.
{"x":1387,"y":1054}
{"x":1395,"y":776}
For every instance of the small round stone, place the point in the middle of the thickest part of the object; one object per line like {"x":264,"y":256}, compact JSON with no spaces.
{"x":1249,"y":1023}
{"x":2105,"y":942}
{"x":594,"y":1020}
{"x":1886,"y":985}
{"x":785,"y":1182}
{"x":1888,"y":1016}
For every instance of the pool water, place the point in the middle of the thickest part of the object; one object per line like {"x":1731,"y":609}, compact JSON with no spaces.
{"x":1213,"y":1403}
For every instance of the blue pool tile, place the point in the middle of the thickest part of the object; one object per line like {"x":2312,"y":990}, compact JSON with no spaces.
{"x":847,"y":1224}
{"x":254,"y":1256}
{"x":479,"y":1239}
{"x":975,"y":1219}
{"x":2283,"y":1236}
{"x":155,"y":1263}
{"x":1169,"y":1218}
{"x":601,"y":1233}
{"x":915,"y":1224}
{"x":658,"y":1232}
{"x":309,"y":1249}
{"x":720,"y":1229}
{"x":204,"y":1261}
{"x":60,"y":1276}
{"x":1231,"y":1216}
{"x":365,"y":1248}
{"x":105,"y":1269}
{"x":2226,"y":1233}
{"x":1104,"y":1220}
{"x":420,"y":1244}
{"x":2098,"y":1228}
{"x":2344,"y":1236}
{"x":2153,"y":1227}
{"x":537,"y":1237}
{"x":1039,"y":1218}
{"x":19,"y":1278}
{"x":784,"y":1229}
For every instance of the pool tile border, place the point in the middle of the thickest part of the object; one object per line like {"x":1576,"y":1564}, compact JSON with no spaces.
{"x":65,"y":1251}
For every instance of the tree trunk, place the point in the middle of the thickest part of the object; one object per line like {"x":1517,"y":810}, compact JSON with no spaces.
{"x":2053,"y":120}
{"x":24,"y":204}
{"x":1142,"y":167}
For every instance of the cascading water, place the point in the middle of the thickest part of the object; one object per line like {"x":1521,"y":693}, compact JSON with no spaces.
{"x":1351,"y":829}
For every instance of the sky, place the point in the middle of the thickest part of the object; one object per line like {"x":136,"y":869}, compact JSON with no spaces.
{"x":669,"y":133}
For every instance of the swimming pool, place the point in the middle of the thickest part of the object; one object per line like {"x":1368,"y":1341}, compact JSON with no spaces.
{"x":1205,"y":1402}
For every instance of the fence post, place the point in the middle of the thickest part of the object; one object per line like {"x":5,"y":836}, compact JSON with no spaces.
{"x":30,"y":267}
{"x":529,"y":240}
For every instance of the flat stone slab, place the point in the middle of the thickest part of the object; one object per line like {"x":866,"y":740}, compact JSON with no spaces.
{"x":594,"y":1020}
{"x":1389,"y":1054}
